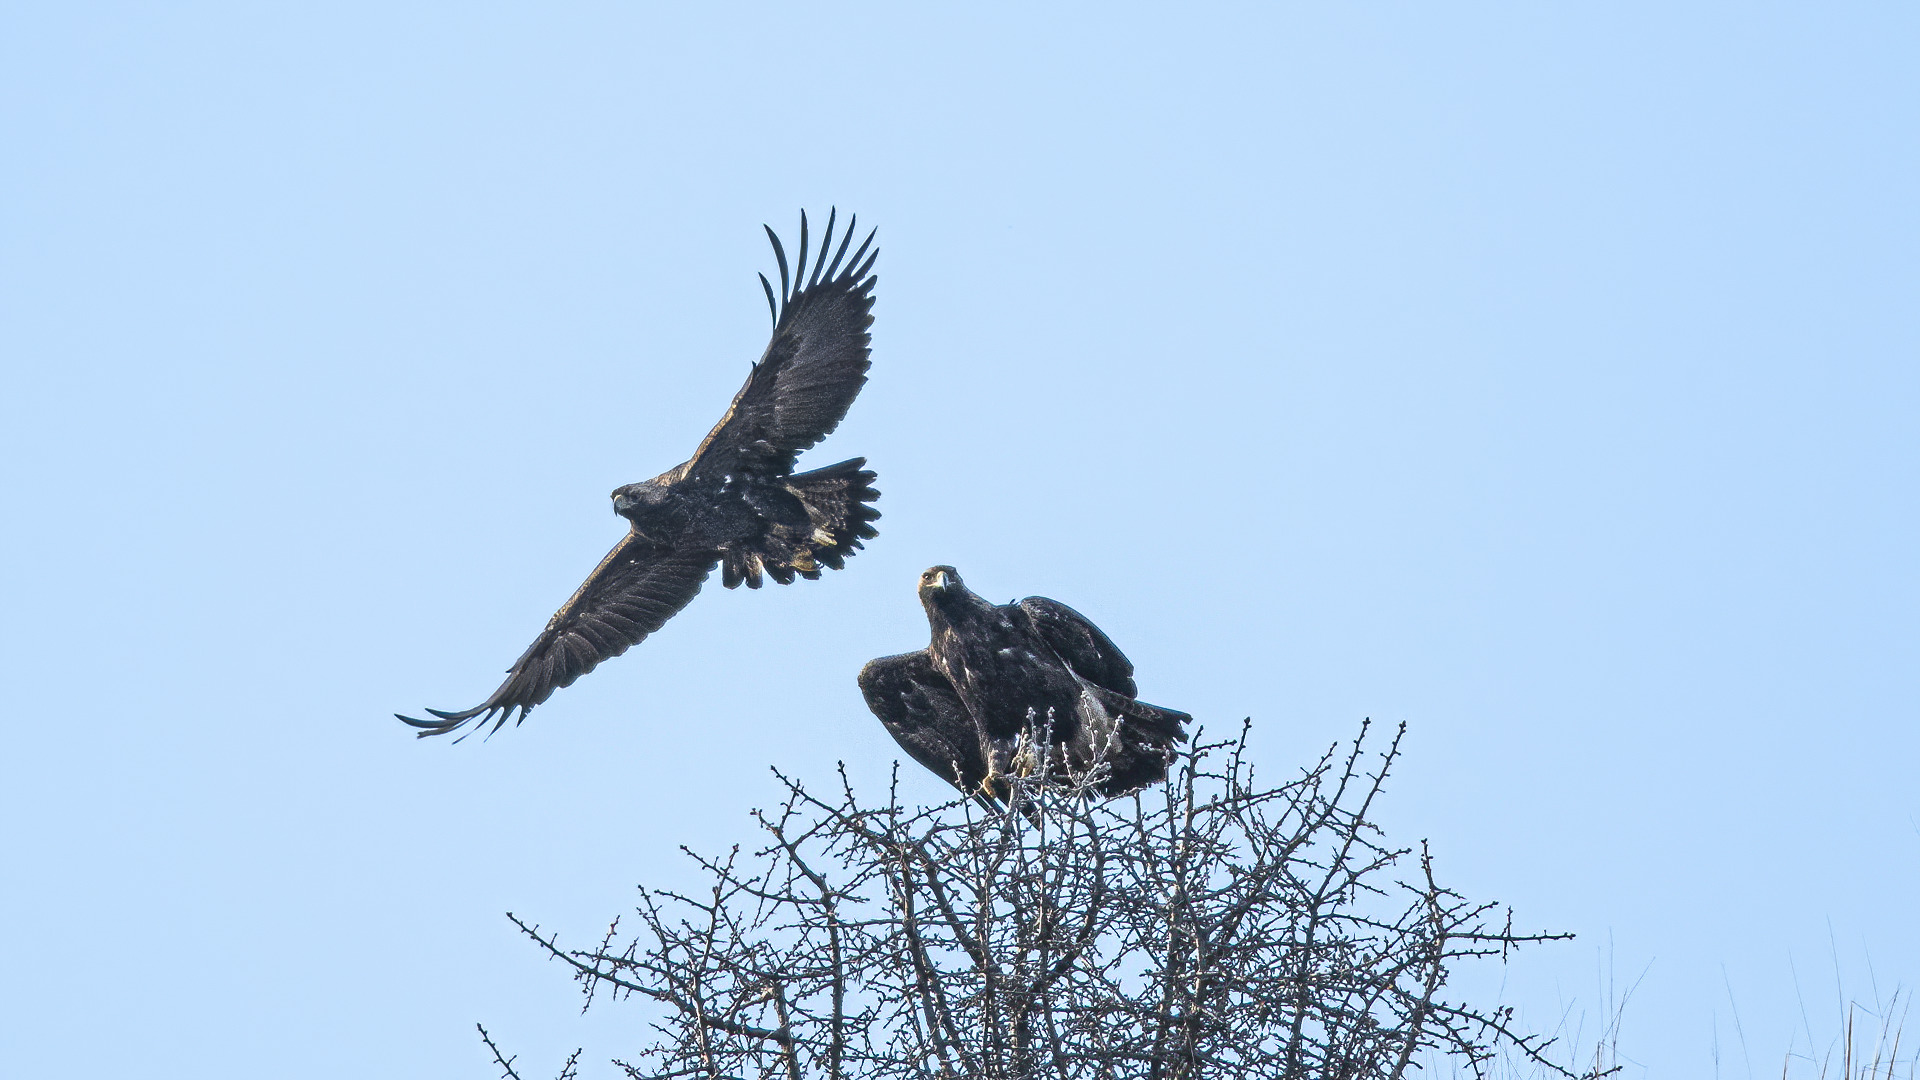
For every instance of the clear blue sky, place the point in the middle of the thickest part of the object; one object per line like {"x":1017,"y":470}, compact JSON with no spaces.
{"x":1541,"y":375}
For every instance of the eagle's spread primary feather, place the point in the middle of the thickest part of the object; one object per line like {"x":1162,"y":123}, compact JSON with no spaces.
{"x":998,"y":678}
{"x":737,"y":501}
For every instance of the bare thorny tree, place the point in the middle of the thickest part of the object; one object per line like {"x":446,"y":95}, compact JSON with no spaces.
{"x":1208,"y":927}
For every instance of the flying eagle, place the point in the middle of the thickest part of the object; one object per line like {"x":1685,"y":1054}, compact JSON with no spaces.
{"x":973,"y":705}
{"x":737,"y":502}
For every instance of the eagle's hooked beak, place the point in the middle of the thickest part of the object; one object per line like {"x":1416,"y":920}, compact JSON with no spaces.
{"x":941,"y":580}
{"x":621,"y":502}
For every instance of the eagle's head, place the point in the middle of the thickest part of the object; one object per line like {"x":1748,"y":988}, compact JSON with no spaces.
{"x":939,"y":581}
{"x":633,"y":501}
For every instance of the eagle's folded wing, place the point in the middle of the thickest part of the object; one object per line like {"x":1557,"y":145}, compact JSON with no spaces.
{"x":632,"y":593}
{"x":920,"y":709}
{"x":813,"y":368}
{"x":1075,"y":639}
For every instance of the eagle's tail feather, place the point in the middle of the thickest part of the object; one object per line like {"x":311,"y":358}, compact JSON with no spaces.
{"x":839,"y":501}
{"x":1136,"y":740}
{"x":839,"y":515}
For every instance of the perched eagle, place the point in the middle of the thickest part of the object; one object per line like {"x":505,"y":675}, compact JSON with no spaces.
{"x":973,"y":705}
{"x":737,"y":502}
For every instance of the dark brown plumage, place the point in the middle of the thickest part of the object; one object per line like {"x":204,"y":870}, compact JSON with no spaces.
{"x":975,"y":704}
{"x":920,"y":710}
{"x":737,"y":502}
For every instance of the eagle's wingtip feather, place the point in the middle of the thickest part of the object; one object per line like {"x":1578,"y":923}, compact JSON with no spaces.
{"x":772,"y":308}
{"x":779,"y":256}
{"x":429,"y":728}
{"x":800,"y":267}
{"x":826,"y":241}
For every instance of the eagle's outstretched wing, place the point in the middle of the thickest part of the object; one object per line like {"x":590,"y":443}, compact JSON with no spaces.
{"x":1074,"y":638}
{"x":632,"y":593}
{"x":812,"y":369}
{"x":920,"y":710}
